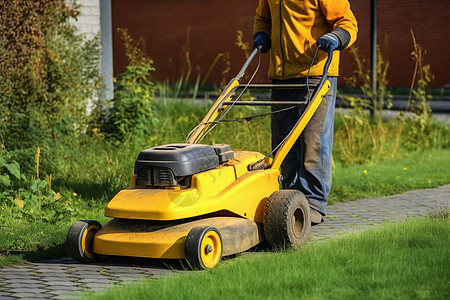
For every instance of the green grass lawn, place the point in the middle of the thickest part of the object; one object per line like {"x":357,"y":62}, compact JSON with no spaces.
{"x":392,"y":176}
{"x":408,"y":260}
{"x":22,"y":241}
{"x":88,"y":172}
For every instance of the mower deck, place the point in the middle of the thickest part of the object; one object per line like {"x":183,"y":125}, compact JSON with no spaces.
{"x":140,"y":238}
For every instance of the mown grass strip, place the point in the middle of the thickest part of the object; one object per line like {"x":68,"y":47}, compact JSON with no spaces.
{"x":391,"y":176}
{"x":398,"y":261}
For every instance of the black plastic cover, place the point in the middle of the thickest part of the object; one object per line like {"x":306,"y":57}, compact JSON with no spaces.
{"x":180,"y":159}
{"x":224,"y":152}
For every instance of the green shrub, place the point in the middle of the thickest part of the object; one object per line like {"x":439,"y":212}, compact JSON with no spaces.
{"x":48,"y":72}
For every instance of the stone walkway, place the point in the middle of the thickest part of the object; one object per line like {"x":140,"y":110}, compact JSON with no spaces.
{"x":65,"y":278}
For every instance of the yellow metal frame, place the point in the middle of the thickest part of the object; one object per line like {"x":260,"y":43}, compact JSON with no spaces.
{"x":213,"y":112}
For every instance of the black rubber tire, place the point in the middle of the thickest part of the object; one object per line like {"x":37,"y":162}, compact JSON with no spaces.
{"x":80,"y":240}
{"x":196,"y":254}
{"x":286,"y":219}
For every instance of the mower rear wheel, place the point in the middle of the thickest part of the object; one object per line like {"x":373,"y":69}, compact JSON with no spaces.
{"x":80,"y":240}
{"x":286,"y":219}
{"x":203,"y":247}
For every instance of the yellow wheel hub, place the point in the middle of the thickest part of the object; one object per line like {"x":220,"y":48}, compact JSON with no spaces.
{"x":87,"y":241}
{"x":80,"y":240}
{"x":211,"y":249}
{"x":203,"y":247}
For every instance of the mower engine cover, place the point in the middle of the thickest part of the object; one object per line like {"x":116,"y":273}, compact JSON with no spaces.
{"x":166,"y":165}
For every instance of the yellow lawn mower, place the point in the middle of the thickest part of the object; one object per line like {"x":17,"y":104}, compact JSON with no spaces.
{"x":202,"y":202}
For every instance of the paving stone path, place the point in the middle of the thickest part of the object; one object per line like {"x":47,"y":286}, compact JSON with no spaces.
{"x":65,"y":278}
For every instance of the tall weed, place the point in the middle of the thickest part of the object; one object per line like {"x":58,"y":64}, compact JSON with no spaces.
{"x":361,"y":138}
{"x":374,"y":101}
{"x":127,"y":116}
{"x":419,"y":124}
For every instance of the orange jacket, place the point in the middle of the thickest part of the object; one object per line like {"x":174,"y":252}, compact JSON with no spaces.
{"x":294,"y":27}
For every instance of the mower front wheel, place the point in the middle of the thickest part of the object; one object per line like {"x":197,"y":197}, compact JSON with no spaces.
{"x":203,"y":247}
{"x":286,"y":219}
{"x":80,"y":240}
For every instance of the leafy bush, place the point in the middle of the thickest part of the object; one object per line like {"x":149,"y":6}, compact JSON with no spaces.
{"x":47,"y":72}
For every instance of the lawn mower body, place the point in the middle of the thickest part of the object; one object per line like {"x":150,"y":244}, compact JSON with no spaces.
{"x":228,"y":197}
{"x":198,"y":202}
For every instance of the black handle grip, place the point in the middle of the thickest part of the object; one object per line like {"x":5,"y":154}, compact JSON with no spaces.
{"x":325,"y":68}
{"x":327,"y":63}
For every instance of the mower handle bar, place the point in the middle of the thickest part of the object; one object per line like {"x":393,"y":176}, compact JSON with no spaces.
{"x":247,"y":63}
{"x":274,"y":86}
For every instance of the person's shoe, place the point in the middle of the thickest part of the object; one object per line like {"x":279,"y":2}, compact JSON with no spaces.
{"x":315,"y":216}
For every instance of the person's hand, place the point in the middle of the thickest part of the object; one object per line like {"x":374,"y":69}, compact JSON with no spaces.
{"x":328,"y":42}
{"x":262,"y":39}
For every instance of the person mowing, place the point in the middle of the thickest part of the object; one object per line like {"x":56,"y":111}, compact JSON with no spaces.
{"x":293,"y":30}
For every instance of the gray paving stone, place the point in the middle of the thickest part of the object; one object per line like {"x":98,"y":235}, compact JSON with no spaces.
{"x":64,"y":294}
{"x":28,"y":295}
{"x":98,"y":285}
{"x":118,"y":267}
{"x":22,"y":285}
{"x":51,"y":271}
{"x":99,"y":281}
{"x":86,"y":266}
{"x":59,"y":283}
{"x":28,"y":290}
{"x":19,"y":277}
{"x":127,"y":274}
{"x":62,"y":278}
{"x":65,"y":288}
{"x":20,"y":271}
{"x":4,"y":294}
{"x":25,"y":281}
{"x":31,"y":298}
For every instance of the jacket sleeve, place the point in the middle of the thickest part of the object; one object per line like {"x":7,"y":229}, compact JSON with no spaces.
{"x":263,"y":20}
{"x":345,"y":26}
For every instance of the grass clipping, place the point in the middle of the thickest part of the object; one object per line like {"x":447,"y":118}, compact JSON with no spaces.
{"x":399,"y":261}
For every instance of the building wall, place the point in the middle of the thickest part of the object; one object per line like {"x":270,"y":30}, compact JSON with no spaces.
{"x":171,"y":30}
{"x":88,"y":22}
{"x":429,"y":22}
